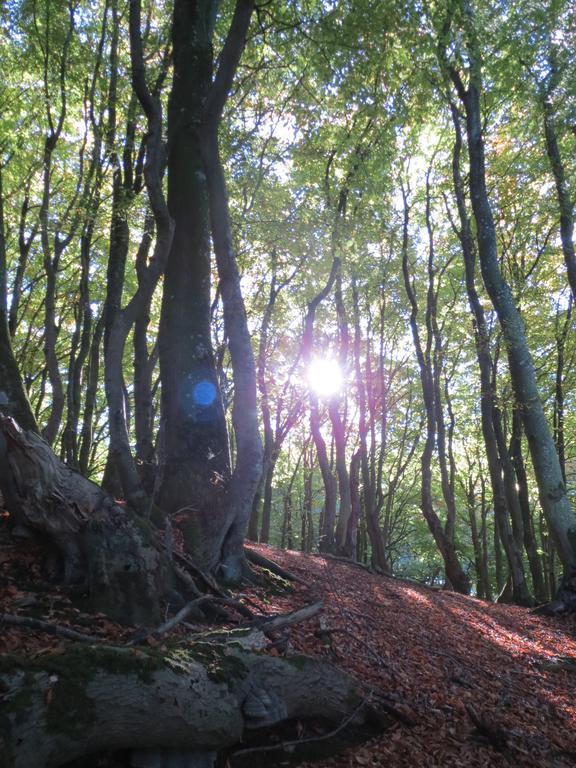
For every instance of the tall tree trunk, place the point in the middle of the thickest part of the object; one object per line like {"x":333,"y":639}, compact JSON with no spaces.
{"x":124,"y":319}
{"x":329,"y":513}
{"x":248,"y":456}
{"x":80,"y":347}
{"x":52,"y":244}
{"x":144,"y":363}
{"x":368,"y":490}
{"x":558,"y":171}
{"x":13,"y":397}
{"x":552,"y":490}
{"x":345,"y":538}
{"x":455,"y":574}
{"x":194,"y":460}
{"x":434,"y":358}
{"x":500,"y":498}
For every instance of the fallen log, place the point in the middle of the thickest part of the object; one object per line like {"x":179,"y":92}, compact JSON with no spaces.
{"x":192,"y":701}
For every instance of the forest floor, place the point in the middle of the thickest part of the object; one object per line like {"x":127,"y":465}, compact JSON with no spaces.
{"x":484,"y":685}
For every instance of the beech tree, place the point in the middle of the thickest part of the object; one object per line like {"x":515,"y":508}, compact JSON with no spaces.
{"x":236,"y":147}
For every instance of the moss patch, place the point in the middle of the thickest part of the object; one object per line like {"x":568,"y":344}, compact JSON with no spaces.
{"x":275,"y":585}
{"x":220,"y":666}
{"x":69,"y":709}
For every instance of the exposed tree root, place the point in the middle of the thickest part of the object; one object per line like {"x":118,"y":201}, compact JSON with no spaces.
{"x":47,"y":627}
{"x":103,"y":545}
{"x":199,"y":699}
{"x":258,"y":559}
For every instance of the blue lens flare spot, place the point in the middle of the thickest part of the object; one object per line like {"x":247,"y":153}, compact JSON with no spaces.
{"x":204,"y":393}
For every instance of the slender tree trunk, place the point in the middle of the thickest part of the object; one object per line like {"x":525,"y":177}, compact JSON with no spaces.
{"x":124,"y":319}
{"x":345,"y":544}
{"x":435,"y":364}
{"x":455,"y":574}
{"x":265,"y":485}
{"x":26,"y":236}
{"x":553,"y":499}
{"x":501,"y":499}
{"x":92,"y":382}
{"x":498,"y":561}
{"x":80,"y":348}
{"x":248,"y":460}
{"x":476,"y":544}
{"x":13,"y":397}
{"x":530,"y":543}
{"x":484,"y":539}
{"x":368,"y":490}
{"x":562,"y":329}
{"x":144,"y":363}
{"x":558,"y":171}
{"x":329,"y":515}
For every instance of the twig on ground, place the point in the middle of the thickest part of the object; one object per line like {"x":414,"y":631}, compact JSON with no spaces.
{"x":183,"y":613}
{"x":279,"y":620}
{"x":287,"y":745}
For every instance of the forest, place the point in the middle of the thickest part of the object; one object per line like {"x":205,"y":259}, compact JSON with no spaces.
{"x":277,"y":276}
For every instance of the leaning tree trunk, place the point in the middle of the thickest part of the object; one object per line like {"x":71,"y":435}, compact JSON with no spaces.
{"x":101,"y":544}
{"x":501,"y":500}
{"x":565,"y":204}
{"x":552,"y":490}
{"x":177,"y":709}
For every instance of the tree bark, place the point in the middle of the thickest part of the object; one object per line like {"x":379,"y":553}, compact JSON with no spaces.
{"x":13,"y":397}
{"x":194,"y":459}
{"x":455,"y":574}
{"x":193,"y":702}
{"x":100,"y":543}
{"x":552,"y":490}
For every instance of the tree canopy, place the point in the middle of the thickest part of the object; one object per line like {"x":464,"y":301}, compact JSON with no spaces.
{"x":321,"y":257}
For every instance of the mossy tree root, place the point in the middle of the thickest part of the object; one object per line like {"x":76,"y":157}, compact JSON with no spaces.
{"x":58,"y":708}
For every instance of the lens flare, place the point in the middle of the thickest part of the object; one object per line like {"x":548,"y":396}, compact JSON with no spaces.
{"x":325,"y":377}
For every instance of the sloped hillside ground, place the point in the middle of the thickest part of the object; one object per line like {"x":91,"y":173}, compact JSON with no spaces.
{"x":488,"y":685}
{"x":472,"y":684}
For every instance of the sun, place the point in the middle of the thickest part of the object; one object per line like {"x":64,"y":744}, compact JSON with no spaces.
{"x":325,"y":377}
